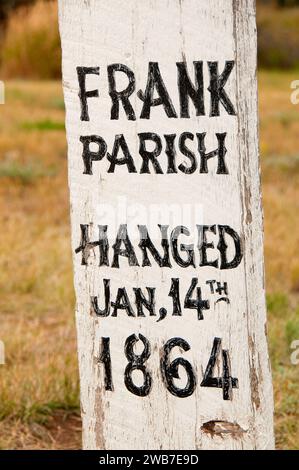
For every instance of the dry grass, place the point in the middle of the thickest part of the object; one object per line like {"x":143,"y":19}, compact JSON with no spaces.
{"x":39,"y":383}
{"x":279,"y":131}
{"x":32,"y":46}
{"x":61,"y":431}
{"x":280,"y":178}
{"x":36,"y":303}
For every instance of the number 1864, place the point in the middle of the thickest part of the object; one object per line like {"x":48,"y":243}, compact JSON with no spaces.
{"x":169,"y":369}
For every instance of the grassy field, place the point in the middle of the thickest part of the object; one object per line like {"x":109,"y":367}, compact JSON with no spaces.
{"x":39,"y":404}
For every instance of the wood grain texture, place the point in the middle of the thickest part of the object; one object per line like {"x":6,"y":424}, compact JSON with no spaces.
{"x":96,"y":33}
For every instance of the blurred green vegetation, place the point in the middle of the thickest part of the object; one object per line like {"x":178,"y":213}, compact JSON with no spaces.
{"x":43,"y":125}
{"x":24,"y":173}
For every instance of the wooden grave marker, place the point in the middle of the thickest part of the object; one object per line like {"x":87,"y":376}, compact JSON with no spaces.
{"x":167,"y":235}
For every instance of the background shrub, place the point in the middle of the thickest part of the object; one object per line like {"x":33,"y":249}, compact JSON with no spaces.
{"x":278,"y":37}
{"x":31,"y":47}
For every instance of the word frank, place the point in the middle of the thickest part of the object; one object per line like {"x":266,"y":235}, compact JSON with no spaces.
{"x":187,"y":90}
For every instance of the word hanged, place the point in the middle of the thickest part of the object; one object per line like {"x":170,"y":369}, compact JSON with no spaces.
{"x":213,"y":238}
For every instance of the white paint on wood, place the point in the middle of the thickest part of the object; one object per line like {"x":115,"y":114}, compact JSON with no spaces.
{"x":99,"y":33}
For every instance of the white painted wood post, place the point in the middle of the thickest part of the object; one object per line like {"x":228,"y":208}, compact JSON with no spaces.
{"x":161,"y":118}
